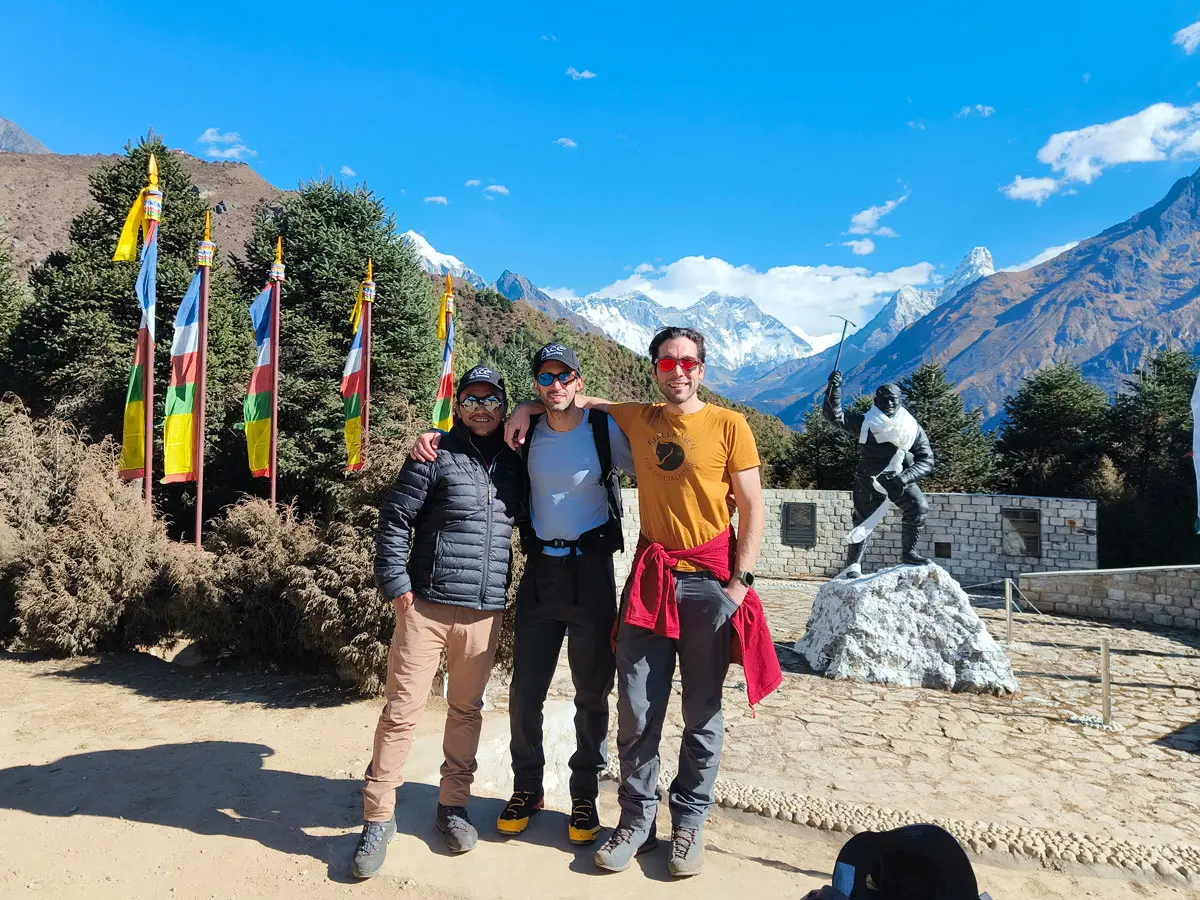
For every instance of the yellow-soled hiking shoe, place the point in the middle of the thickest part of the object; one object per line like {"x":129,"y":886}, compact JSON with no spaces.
{"x":585,"y":821}
{"x":521,"y":807}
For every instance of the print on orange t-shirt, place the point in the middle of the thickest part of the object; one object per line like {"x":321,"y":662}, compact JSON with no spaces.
{"x":683,"y":465}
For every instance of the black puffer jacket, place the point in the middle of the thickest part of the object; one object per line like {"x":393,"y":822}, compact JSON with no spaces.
{"x":445,"y":527}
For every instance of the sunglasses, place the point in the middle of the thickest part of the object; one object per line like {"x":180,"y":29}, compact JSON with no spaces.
{"x":491,"y":403}
{"x":545,"y":379}
{"x":668,"y":363}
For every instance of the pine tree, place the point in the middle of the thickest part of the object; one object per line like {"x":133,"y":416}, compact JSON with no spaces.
{"x":962,"y":451}
{"x":72,"y":347}
{"x":821,"y":456}
{"x":1150,"y":433}
{"x":14,"y":297}
{"x":329,"y":232}
{"x":1053,"y":442}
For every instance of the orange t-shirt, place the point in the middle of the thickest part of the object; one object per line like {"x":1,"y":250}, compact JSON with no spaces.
{"x":683,"y":465}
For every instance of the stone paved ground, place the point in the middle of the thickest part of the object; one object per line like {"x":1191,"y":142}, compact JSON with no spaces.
{"x":1014,"y":761}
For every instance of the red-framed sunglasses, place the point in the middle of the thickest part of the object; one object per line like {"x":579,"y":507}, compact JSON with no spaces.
{"x":668,"y":363}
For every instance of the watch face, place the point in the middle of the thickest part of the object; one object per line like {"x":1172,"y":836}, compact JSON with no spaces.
{"x":748,"y":579}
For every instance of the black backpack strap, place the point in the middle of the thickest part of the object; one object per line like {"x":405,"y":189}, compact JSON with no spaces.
{"x":533,"y":424}
{"x":598,"y":419}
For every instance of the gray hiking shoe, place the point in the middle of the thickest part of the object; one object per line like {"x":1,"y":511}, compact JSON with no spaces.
{"x":372,"y":848}
{"x":453,"y":822}
{"x":687,"y":851}
{"x":623,"y":845}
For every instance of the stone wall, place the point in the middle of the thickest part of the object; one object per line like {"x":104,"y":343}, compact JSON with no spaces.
{"x":1159,"y":595}
{"x":982,"y":544}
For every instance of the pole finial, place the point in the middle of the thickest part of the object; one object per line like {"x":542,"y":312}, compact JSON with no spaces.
{"x":370,"y":269}
{"x":208,"y":225}
{"x":152,"y":170}
{"x":279,"y":249}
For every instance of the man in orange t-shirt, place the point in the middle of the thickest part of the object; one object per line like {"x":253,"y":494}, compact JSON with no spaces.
{"x":688,"y":456}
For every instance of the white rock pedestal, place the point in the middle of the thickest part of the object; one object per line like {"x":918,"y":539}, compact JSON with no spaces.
{"x":495,"y":776}
{"x":907,"y":625}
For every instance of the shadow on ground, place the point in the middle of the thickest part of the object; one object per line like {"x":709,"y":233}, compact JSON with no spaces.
{"x":225,"y":681}
{"x":1186,"y":738}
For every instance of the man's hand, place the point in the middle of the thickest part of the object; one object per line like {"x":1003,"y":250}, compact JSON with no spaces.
{"x":518,"y":425}
{"x":425,"y":449}
{"x":402,"y":603}
{"x":892,"y":484}
{"x":736,"y":591}
{"x":835,"y":378}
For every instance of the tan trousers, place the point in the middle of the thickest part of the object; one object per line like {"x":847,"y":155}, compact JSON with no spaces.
{"x":469,"y":637}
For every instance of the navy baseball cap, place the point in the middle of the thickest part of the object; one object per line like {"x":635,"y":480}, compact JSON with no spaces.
{"x":918,"y":862}
{"x":482,"y":375}
{"x":556,"y":352}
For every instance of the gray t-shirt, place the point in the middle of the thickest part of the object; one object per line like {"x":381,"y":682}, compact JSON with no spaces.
{"x":566,"y":495}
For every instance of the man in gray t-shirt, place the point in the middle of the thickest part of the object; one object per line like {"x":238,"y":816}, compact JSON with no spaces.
{"x":568,"y":589}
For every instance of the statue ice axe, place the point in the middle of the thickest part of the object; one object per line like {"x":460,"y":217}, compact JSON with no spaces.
{"x":846,"y":324}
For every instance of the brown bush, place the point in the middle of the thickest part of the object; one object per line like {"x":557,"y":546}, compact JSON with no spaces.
{"x":83,"y":580}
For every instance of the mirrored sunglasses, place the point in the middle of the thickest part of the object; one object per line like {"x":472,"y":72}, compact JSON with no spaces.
{"x":545,"y":379}
{"x":668,"y":363}
{"x":491,"y":403}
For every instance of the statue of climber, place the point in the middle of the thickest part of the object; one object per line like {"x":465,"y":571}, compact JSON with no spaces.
{"x":893,"y":455}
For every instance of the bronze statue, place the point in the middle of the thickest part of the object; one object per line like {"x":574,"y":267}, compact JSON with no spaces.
{"x":893,"y":455}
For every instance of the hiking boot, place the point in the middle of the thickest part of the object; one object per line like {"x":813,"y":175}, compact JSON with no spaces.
{"x":521,"y":807}
{"x":854,"y":554}
{"x":623,"y":845}
{"x":909,"y":535}
{"x":687,"y":851}
{"x":372,"y":848}
{"x":853,"y":571}
{"x":585,"y":821}
{"x":453,"y":822}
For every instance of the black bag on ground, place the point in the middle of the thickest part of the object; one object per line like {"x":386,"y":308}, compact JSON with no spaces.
{"x":918,"y":862}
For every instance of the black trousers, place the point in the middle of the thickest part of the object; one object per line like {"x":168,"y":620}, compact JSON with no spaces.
{"x":573,"y":596}
{"x":911,"y":501}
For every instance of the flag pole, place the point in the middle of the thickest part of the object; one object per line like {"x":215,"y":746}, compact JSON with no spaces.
{"x":204,"y":258}
{"x":368,"y":291}
{"x":277,"y":275}
{"x":153,"y":212}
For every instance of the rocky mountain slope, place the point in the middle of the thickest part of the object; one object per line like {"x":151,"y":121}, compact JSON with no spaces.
{"x":41,"y":193}
{"x":436,"y":263}
{"x":1106,"y":305}
{"x":517,"y":287}
{"x":784,"y":385}
{"x":15,"y":139}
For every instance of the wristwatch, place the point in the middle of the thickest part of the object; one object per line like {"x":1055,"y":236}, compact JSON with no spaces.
{"x":746,"y":578}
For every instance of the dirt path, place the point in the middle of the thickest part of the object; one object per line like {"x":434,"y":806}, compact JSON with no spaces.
{"x":131,"y":777}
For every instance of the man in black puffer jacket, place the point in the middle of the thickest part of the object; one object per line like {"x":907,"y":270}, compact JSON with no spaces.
{"x":442,"y":555}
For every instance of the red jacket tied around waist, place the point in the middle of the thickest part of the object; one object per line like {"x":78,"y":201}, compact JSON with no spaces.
{"x":651,"y":604}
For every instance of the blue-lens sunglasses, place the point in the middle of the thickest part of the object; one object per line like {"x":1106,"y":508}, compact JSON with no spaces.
{"x":545,"y":379}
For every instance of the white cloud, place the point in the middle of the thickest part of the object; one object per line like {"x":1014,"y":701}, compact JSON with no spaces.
{"x":549,"y":37}
{"x":348,"y":172}
{"x":1035,"y":189}
{"x":644,"y":268}
{"x":473,"y":182}
{"x":224,"y":144}
{"x":861,"y":248}
{"x":576,"y":74}
{"x":917,"y":124}
{"x":867,"y":221}
{"x":438,"y":201}
{"x":800,"y":296}
{"x":978,"y":109}
{"x":1047,"y":254}
{"x":566,"y":142}
{"x":236,"y":151}
{"x":1159,"y":132}
{"x":561,"y":293}
{"x":497,"y":189}
{"x":1188,"y":38}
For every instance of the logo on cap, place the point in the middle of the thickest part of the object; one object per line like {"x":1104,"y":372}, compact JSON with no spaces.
{"x":481,"y":372}
{"x":554,"y":350}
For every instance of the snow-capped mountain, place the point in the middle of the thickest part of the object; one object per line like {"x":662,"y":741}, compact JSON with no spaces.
{"x":738,"y":333}
{"x":441,"y":263}
{"x":789,"y":381}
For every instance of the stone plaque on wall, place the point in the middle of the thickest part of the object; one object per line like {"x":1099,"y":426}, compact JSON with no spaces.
{"x":799,"y":528}
{"x":1021,"y":531}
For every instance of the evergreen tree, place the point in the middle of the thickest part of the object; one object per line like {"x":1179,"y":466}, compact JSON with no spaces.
{"x":821,"y":456}
{"x":1053,"y":442}
{"x":329,"y":232}
{"x":1150,"y":433}
{"x":71,"y":349}
{"x":962,"y":451}
{"x":14,"y":297}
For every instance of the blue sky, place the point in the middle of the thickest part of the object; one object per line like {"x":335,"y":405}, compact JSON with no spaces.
{"x":713,"y":145}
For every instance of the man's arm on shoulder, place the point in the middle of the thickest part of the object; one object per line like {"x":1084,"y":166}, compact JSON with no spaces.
{"x":622,"y":454}
{"x":399,"y":510}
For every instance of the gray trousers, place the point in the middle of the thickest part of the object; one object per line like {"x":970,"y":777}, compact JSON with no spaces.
{"x":645,"y":669}
{"x":575,"y":596}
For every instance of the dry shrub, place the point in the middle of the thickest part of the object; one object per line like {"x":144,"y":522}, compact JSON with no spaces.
{"x":40,"y":463}
{"x":342,"y":616}
{"x":236,"y":600}
{"x":85,"y":578}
